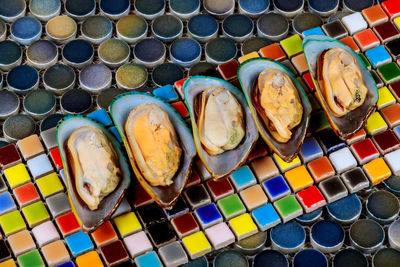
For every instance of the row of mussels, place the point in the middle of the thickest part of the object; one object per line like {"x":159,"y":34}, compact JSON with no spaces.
{"x":225,"y":123}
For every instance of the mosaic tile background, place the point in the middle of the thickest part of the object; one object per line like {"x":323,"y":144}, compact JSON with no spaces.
{"x":331,"y":181}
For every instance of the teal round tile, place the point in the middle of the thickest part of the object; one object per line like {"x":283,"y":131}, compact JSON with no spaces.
{"x":167,"y":28}
{"x":113,"y":52}
{"x":22,"y":79}
{"x":45,"y":9}
{"x":131,"y":28}
{"x":18,"y":126}
{"x":97,"y":29}
{"x":393,"y":184}
{"x":184,"y":8}
{"x":288,"y":238}
{"x":10,"y":10}
{"x":219,"y":8}
{"x":382,"y":206}
{"x":203,"y":27}
{"x":239,"y":27}
{"x":230,"y":258}
{"x":10,"y":55}
{"x":26,"y":30}
{"x":166,"y":73}
{"x":42,"y":54}
{"x":220,"y":50}
{"x":253,"y":8}
{"x":39,"y":103}
{"x":59,"y":78}
{"x":150,"y":9}
{"x":80,"y":9}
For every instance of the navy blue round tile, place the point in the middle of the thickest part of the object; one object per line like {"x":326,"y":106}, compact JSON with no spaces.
{"x":80,"y":9}
{"x":9,"y":104}
{"x":184,"y":8}
{"x":166,"y":73}
{"x":76,"y":101}
{"x":323,"y":8}
{"x":327,"y":236}
{"x":254,"y":44}
{"x":185,"y":52}
{"x":10,"y":10}
{"x":345,"y":210}
{"x":306,"y":21}
{"x":78,"y":53}
{"x":383,"y":206}
{"x":202,"y":27}
{"x":167,"y":28}
{"x":205,"y":69}
{"x":346,"y":256}
{"x":271,"y":258}
{"x":26,"y":30}
{"x":310,"y":257}
{"x":230,"y":258}
{"x":386,"y":257}
{"x":288,"y":237}
{"x":150,"y":9}
{"x":253,"y":7}
{"x":357,"y":5}
{"x":59,"y":78}
{"x":310,"y":218}
{"x":10,"y":54}
{"x":149,"y":52}
{"x":18,"y":127}
{"x":115,"y":8}
{"x":366,"y":235}
{"x":220,"y":50}
{"x":272,"y":26}
{"x":23,"y":78}
{"x":289,"y":8}
{"x":393,"y":184}
{"x":50,"y":121}
{"x":238,"y":27}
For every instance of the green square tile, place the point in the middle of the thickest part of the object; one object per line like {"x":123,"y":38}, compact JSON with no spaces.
{"x":35,"y":213}
{"x":314,"y":102}
{"x":17,"y":175}
{"x":365,"y":61}
{"x":288,"y":208}
{"x":231,"y":206}
{"x":292,"y":45}
{"x":49,"y":184}
{"x":389,"y":72}
{"x":12,"y":222}
{"x":319,"y":122}
{"x":31,"y":259}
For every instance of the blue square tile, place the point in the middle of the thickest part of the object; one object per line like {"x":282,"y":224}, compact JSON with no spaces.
{"x":242,"y":178}
{"x":6,"y":203}
{"x":397,"y":131}
{"x":208,"y":215}
{"x":79,"y":243}
{"x":115,"y":132}
{"x":67,"y":264}
{"x":378,"y":56}
{"x":310,"y":150}
{"x":62,"y":174}
{"x":148,"y":259}
{"x":266,"y":217}
{"x":179,"y":208}
{"x":313,"y":31}
{"x":330,"y":142}
{"x":101,"y":116}
{"x":166,"y":93}
{"x":276,"y":188}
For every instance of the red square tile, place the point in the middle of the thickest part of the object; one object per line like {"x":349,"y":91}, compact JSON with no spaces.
{"x":392,"y":8}
{"x":114,"y":253}
{"x":392,"y":115}
{"x":395,"y":88}
{"x":228,"y":70}
{"x":68,"y":224}
{"x":194,"y":179}
{"x":308,"y":80}
{"x":56,"y":158}
{"x":374,"y":15}
{"x":26,"y":194}
{"x":311,"y":199}
{"x":365,"y":151}
{"x":366,"y":39}
{"x":349,"y":41}
{"x":140,"y":196}
{"x":386,"y":31}
{"x":9,"y":156}
{"x":386,"y":142}
{"x":181,"y":109}
{"x":179,"y":85}
{"x":104,"y":234}
{"x":185,"y":224}
{"x":258,"y":151}
{"x":321,"y":169}
{"x":273,"y":51}
{"x":219,"y":188}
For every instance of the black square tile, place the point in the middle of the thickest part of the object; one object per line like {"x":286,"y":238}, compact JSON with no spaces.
{"x":335,"y":29}
{"x":355,"y":180}
{"x":333,"y":189}
{"x":197,"y":196}
{"x":330,"y":142}
{"x":151,"y":213}
{"x":394,"y":47}
{"x":4,"y":251}
{"x":180,"y":207}
{"x":161,"y":233}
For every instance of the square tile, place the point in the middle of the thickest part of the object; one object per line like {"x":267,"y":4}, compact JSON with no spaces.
{"x":116,"y":134}
{"x":354,"y":22}
{"x":313,"y":31}
{"x":8,"y":263}
{"x":378,"y":56}
{"x":127,"y":224}
{"x":166,"y":93}
{"x":392,"y":8}
{"x":6,"y":203}
{"x":290,"y":66}
{"x":68,"y":224}
{"x":56,"y":158}
{"x":196,"y":245}
{"x":197,"y":196}
{"x":311,"y":199}
{"x":3,"y":186}
{"x":377,"y":170}
{"x":377,"y":78}
{"x":386,"y":31}
{"x":266,"y":217}
{"x":55,"y":253}
{"x":31,"y":258}
{"x":180,"y":207}
{"x":173,"y":254}
{"x":178,"y":86}
{"x":358,"y":136}
{"x":385,"y":98}
{"x":366,"y":62}
{"x":365,"y":151}
{"x":12,"y":222}
{"x":208,"y":215}
{"x":185,"y":225}
{"x":58,"y":204}
{"x":355,"y":180}
{"x":318,"y":122}
{"x":228,"y":70}
{"x":374,"y":15}
{"x":292,"y":45}
{"x":150,"y":213}
{"x":104,"y":235}
{"x":79,"y":243}
{"x":386,"y":142}
{"x":45,"y":233}
{"x":349,"y":41}
{"x":285,"y":166}
{"x":335,"y":29}
{"x":391,"y":114}
{"x":300,"y":63}
{"x":288,"y":208}
{"x":49,"y":185}
{"x":310,"y":150}
{"x":194,"y":179}
{"x":148,"y":259}
{"x":366,"y":39}
{"x":49,"y":138}
{"x":342,"y":160}
{"x":114,"y":253}
{"x":39,"y":166}
{"x":259,"y":150}
{"x":264,"y":168}
{"x":308,"y":81}
{"x":35,"y":213}
{"x":393,"y":160}
{"x":220,"y":235}
{"x":30,"y":146}
{"x":17,"y":175}
{"x":390,"y":72}
{"x":161,"y":233}
{"x":333,"y":189}
{"x":394,"y":47}
{"x":89,"y":259}
{"x":181,"y":109}
{"x":276,"y":188}
{"x":21,"y":242}
{"x":253,"y":197}
{"x":321,"y":169}
{"x":5,"y":252}
{"x":330,"y":142}
{"x":9,"y":156}
{"x":272,"y":51}
{"x":140,"y":196}
{"x":243,"y":226}
{"x":248,"y":56}
{"x":375,"y":124}
{"x":395,"y":89}
{"x":219,"y":188}
{"x":231,"y":206}
{"x":299,"y":178}
{"x":243,"y":178}
{"x":138,"y":244}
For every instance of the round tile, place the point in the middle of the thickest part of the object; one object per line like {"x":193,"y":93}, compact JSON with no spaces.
{"x":220,"y":50}
{"x":22,"y":79}
{"x":45,"y":9}
{"x":167,"y":28}
{"x":309,"y":257}
{"x":205,"y":69}
{"x":107,"y":95}
{"x":253,"y":8}
{"x":203,"y":27}
{"x":288,"y":238}
{"x":78,"y":53}
{"x":272,"y":26}
{"x":166,"y":73}
{"x":366,"y":235}
{"x":9,"y":104}
{"x":345,"y":210}
{"x":149,"y":9}
{"x":238,"y":27}
{"x":289,"y":8}
{"x":306,"y":21}
{"x":76,"y":101}
{"x":382,"y":206}
{"x":323,"y":8}
{"x":185,"y":52}
{"x":131,"y":28}
{"x":393,"y":184}
{"x":50,"y":121}
{"x":254,"y":44}
{"x":114,"y":52}
{"x":80,"y":9}
{"x":327,"y":236}
{"x":115,"y":9}
{"x":149,"y":52}
{"x":26,"y":30}
{"x":252,"y":244}
{"x":345,"y":256}
{"x":219,"y":8}
{"x":42,"y":54}
{"x":59,"y":78}
{"x":12,"y":12}
{"x":95,"y":77}
{"x":270,"y":257}
{"x":230,"y":257}
{"x":61,"y":29}
{"x":184,"y":8}
{"x":386,"y":257}
{"x":18,"y":126}
{"x":394,"y":234}
{"x":97,"y":29}
{"x":39,"y":103}
{"x":10,"y":55}
{"x":309,"y":218}
{"x":357,"y":5}
{"x":131,"y":76}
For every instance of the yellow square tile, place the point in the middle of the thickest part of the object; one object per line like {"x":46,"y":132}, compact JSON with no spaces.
{"x":377,"y":170}
{"x":375,"y":124}
{"x":385,"y":98}
{"x":299,"y":178}
{"x":91,"y":259}
{"x":8,"y":263}
{"x":292,"y":45}
{"x":17,"y":175}
{"x":196,"y":244}
{"x":397,"y":22}
{"x":285,"y":166}
{"x":248,"y":56}
{"x":127,"y":223}
{"x":243,"y":226}
{"x":49,"y":184}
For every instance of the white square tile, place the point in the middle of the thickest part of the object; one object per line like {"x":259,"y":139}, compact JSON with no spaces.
{"x":354,"y":22}
{"x":138,"y":244}
{"x":393,"y":160}
{"x":220,"y":235}
{"x":343,"y":160}
{"x":39,"y":166}
{"x":45,"y":233}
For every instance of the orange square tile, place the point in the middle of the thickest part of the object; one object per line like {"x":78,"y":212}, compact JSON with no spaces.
{"x":91,"y":259}
{"x":366,"y":39}
{"x":300,"y":63}
{"x":21,"y":242}
{"x":30,"y":146}
{"x":8,"y":263}
{"x":253,"y":197}
{"x":349,"y":41}
{"x":264,"y":168}
{"x":321,"y":168}
{"x":377,"y":170}
{"x":391,"y":114}
{"x":358,"y":136}
{"x":104,"y":234}
{"x":55,"y":253}
{"x":273,"y":51}
{"x":374,"y":15}
{"x":299,"y":178}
